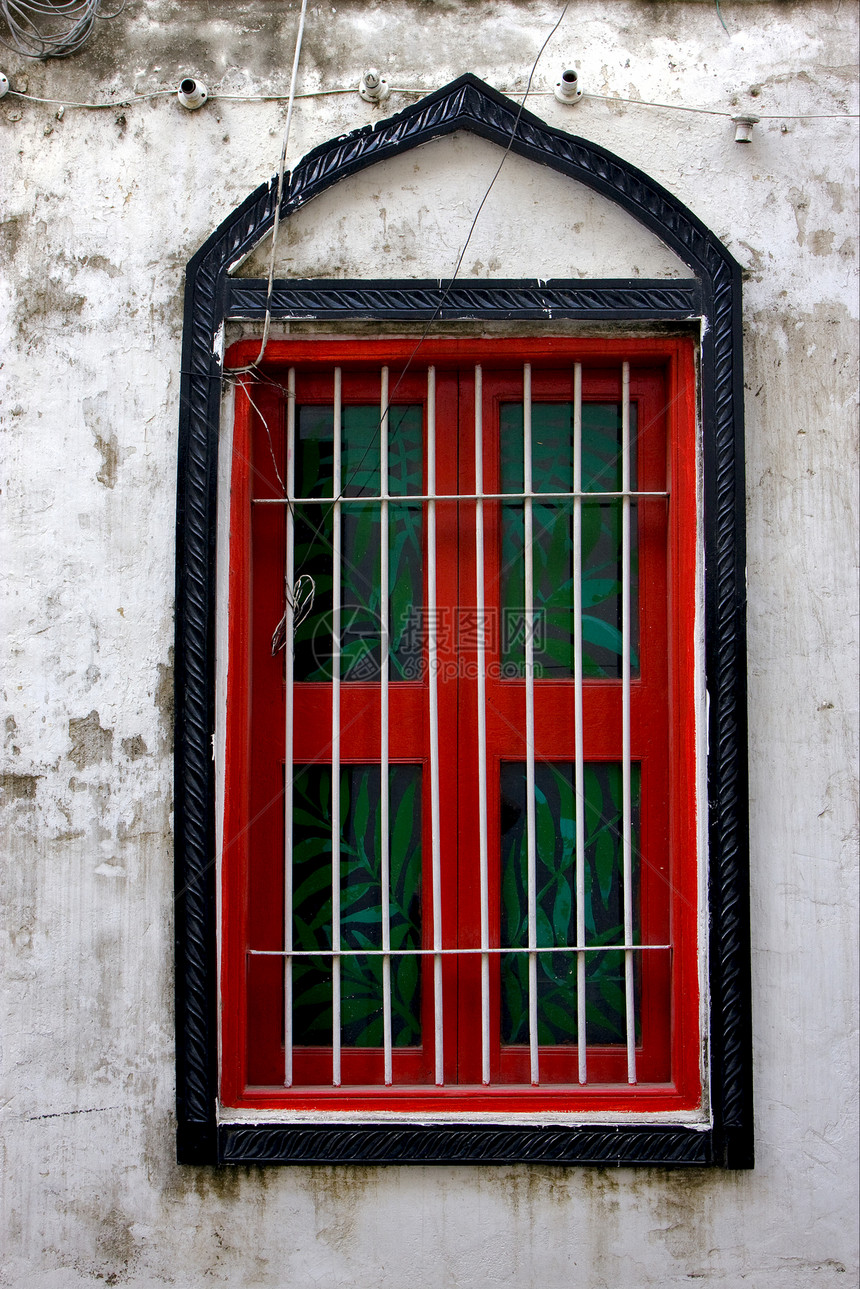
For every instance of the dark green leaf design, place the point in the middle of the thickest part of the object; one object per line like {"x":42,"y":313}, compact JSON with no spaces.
{"x":552,"y":553}
{"x":555,"y":835}
{"x":361,"y":603}
{"x":360,"y":904}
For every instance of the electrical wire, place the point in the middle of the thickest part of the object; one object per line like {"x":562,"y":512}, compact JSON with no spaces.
{"x":281,"y":168}
{"x":439,"y":307}
{"x":282,"y":163}
{"x":130,"y":99}
{"x":713,"y":111}
{"x":720,"y":16}
{"x":51,"y":28}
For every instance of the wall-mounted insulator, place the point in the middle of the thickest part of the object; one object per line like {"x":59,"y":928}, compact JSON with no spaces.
{"x":191,"y":93}
{"x":568,"y":88}
{"x":743,"y":128}
{"x":4,"y":84}
{"x":373,"y":88}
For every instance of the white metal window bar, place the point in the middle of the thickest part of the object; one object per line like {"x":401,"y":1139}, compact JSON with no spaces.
{"x":289,"y":668}
{"x":335,"y":736}
{"x":384,"y":646}
{"x":459,"y":950}
{"x":579,"y":769}
{"x":627,"y":849}
{"x":410,"y":498}
{"x":528,"y":613}
{"x":480,"y":607}
{"x":433,"y":669}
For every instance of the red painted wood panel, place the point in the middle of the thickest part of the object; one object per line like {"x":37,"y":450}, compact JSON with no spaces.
{"x":662,"y":733}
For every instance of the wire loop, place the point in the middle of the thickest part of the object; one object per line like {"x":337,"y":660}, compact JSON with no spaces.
{"x":51,"y":28}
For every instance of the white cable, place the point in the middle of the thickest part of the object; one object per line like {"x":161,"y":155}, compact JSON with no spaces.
{"x":130,"y":99}
{"x":254,"y":366}
{"x":51,"y":28}
{"x":713,"y":111}
{"x":281,"y":167}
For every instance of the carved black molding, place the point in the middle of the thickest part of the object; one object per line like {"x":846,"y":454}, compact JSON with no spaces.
{"x":633,"y":300}
{"x":466,"y":1144}
{"x":212,"y":296}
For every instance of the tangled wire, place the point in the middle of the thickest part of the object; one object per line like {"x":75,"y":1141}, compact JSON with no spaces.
{"x":50,"y":28}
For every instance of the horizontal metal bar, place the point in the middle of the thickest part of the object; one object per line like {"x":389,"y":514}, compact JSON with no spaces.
{"x":408,"y":498}
{"x":431,"y":953}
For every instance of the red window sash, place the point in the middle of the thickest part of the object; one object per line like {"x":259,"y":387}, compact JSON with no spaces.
{"x":662,"y":740}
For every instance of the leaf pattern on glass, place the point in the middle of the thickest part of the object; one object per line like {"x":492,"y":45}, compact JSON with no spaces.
{"x":314,"y":460}
{"x":406,"y":539}
{"x":361,"y":605}
{"x":555,"y":844}
{"x":360,"y":904}
{"x":552,"y":551}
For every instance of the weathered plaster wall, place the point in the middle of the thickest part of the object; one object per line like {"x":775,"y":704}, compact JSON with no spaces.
{"x":411,"y":216}
{"x":100,"y":212}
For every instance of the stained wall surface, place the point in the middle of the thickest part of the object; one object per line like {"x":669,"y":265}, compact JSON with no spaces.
{"x":99,"y":212}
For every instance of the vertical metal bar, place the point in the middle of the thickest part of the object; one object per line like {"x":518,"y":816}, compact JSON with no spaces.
{"x":432,"y":663}
{"x":335,"y":736}
{"x":579,"y":782}
{"x":482,"y":731}
{"x":528,"y":541}
{"x":627,"y":858}
{"x":384,"y":646}
{"x":289,"y":675}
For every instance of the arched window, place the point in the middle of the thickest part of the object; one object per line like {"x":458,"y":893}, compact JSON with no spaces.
{"x":478,"y":632}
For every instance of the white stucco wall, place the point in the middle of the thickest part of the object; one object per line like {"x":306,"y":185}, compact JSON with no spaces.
{"x":100,"y":212}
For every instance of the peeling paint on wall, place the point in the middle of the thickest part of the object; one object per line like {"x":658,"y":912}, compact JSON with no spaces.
{"x":18,"y":787}
{"x":90,"y":743}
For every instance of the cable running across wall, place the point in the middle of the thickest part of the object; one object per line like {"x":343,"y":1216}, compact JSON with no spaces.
{"x":130,"y":99}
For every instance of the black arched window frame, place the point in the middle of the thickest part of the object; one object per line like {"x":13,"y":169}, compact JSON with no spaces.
{"x":712,"y":294}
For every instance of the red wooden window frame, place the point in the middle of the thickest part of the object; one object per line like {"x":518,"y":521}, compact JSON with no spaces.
{"x":662,"y":383}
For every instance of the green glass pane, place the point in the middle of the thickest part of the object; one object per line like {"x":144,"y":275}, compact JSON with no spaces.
{"x":405,"y":591}
{"x":314,"y":459}
{"x":359,"y":450}
{"x":552,"y":447}
{"x":605,"y":1009}
{"x":360,"y":904}
{"x":601,"y":447}
{"x":552,"y":548}
{"x":361,"y":606}
{"x":405,"y":450}
{"x":314,"y":451}
{"x":406,"y":541}
{"x":555,"y":838}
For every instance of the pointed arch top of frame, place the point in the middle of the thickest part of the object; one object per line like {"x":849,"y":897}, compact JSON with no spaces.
{"x":469,"y":104}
